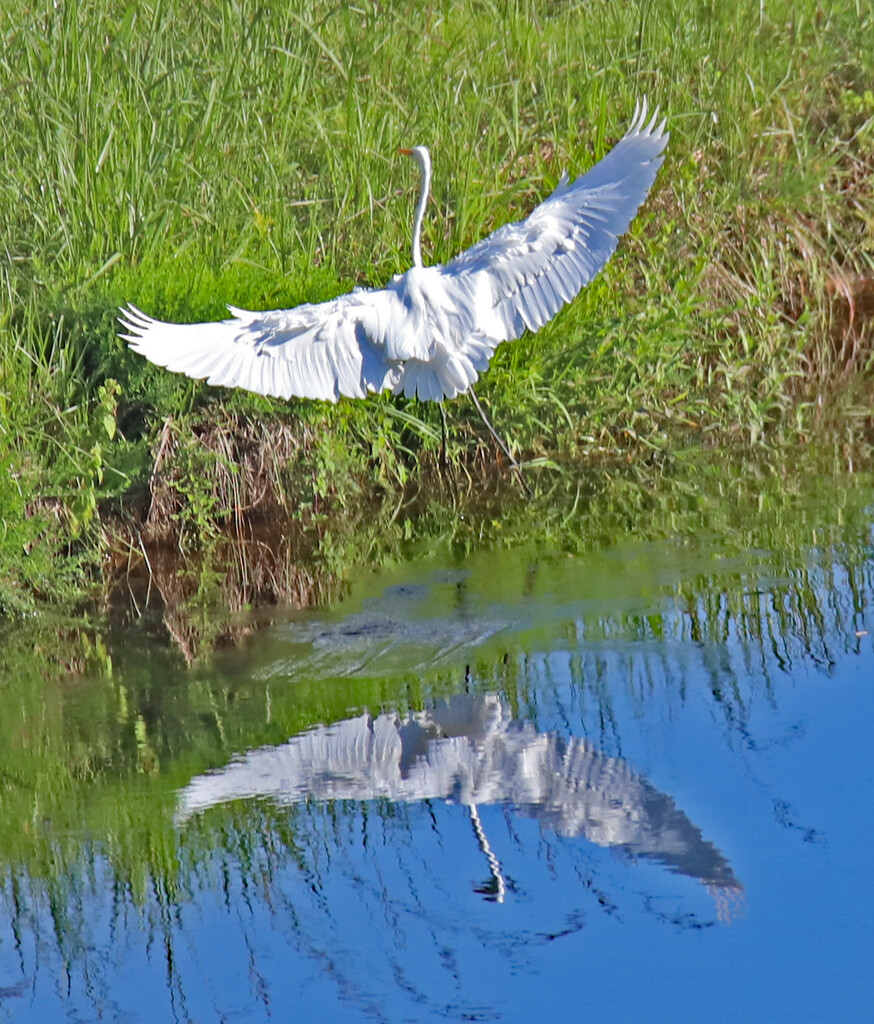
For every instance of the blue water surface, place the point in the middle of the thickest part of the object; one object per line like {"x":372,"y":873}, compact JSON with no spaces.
{"x":634,"y":785}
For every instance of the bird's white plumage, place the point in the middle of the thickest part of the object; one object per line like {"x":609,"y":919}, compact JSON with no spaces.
{"x":431,"y":331}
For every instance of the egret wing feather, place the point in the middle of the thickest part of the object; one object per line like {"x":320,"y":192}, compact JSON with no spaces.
{"x":319,"y":350}
{"x":535,"y":266}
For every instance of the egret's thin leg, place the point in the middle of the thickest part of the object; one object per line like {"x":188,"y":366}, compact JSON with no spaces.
{"x":501,"y":443}
{"x":442,"y":437}
{"x":499,"y":886}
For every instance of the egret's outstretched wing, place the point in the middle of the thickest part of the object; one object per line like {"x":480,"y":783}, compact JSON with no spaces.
{"x":535,"y":266}
{"x":321,"y":350}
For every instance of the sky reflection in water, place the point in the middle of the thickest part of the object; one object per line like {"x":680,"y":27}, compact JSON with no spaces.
{"x":634,"y":785}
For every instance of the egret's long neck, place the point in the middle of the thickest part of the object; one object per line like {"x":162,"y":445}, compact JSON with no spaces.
{"x":425,"y":167}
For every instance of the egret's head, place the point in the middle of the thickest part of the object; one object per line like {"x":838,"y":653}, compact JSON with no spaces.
{"x":421,"y":155}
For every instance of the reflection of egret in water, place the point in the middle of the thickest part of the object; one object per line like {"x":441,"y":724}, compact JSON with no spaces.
{"x":469,"y":750}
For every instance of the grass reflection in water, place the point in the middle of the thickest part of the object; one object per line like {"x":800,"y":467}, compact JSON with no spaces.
{"x":487,"y":717}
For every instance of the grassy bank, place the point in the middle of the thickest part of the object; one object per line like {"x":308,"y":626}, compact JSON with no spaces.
{"x":184,"y":156}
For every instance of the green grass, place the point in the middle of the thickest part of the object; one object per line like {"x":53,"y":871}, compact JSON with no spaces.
{"x":182,"y":156}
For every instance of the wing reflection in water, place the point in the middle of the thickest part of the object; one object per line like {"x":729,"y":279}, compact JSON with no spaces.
{"x":469,"y":750}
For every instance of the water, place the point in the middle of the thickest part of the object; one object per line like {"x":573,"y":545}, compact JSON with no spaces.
{"x":616,"y":767}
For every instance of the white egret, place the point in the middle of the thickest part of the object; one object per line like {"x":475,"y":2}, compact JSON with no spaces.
{"x":431,"y":331}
